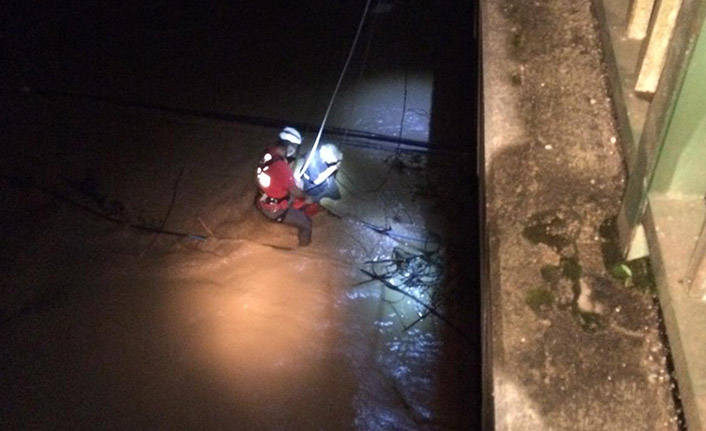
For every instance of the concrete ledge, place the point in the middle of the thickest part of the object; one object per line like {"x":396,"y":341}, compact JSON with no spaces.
{"x":671,"y":232}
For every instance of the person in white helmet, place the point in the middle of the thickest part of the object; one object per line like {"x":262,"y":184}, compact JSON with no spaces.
{"x":292,"y":139}
{"x":319,"y":179}
{"x":279,"y":198}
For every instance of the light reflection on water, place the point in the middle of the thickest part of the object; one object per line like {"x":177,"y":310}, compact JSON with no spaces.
{"x":295,"y":331}
{"x":376,"y":105}
{"x":395,"y":363}
{"x":265,"y":332}
{"x":308,"y":342}
{"x":399,"y":357}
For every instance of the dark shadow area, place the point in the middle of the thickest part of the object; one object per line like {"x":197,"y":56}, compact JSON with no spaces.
{"x":254,"y":58}
{"x":454,"y":126}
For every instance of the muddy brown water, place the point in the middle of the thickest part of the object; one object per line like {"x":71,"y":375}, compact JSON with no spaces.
{"x":108,"y":326}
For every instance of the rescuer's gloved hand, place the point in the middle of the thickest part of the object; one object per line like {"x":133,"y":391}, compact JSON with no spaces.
{"x":323,"y":176}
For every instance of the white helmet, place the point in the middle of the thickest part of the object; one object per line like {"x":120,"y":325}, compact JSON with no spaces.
{"x":330,"y":154}
{"x":291,"y":135}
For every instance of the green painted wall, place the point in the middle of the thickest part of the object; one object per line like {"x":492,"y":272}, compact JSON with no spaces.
{"x":681,"y":168}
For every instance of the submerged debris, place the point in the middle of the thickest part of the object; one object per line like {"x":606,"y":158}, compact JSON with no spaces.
{"x":418,"y":276}
{"x":414,"y":273}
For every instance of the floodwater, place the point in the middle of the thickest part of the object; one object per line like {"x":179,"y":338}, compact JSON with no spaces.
{"x":107,"y":326}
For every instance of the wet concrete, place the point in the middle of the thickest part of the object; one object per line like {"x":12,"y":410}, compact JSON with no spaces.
{"x":574,"y":345}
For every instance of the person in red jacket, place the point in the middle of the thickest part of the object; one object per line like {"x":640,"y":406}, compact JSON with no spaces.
{"x":278,"y":197}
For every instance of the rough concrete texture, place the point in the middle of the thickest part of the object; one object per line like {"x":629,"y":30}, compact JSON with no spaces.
{"x":574,"y":347}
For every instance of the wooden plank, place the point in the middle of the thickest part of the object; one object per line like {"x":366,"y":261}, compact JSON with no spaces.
{"x":638,"y":20}
{"x":655,"y":129}
{"x":655,"y":53}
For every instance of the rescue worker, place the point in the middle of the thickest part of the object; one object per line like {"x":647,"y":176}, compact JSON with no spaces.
{"x":293,"y":140}
{"x":320,"y":176}
{"x":278,"y":197}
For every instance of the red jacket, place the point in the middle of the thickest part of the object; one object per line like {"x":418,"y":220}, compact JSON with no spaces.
{"x":274,"y":179}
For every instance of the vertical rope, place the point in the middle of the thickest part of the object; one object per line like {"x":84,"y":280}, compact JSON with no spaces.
{"x":335,"y":92}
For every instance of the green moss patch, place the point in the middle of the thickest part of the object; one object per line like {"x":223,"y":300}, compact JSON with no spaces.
{"x":539,"y":299}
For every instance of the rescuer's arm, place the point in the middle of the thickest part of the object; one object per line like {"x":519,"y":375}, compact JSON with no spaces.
{"x":325,"y":174}
{"x":299,"y":193}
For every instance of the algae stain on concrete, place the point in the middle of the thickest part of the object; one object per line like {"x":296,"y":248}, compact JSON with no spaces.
{"x":610,"y":249}
{"x":589,"y":322}
{"x":571,"y":268}
{"x":549,"y":228}
{"x":550,"y":273}
{"x":539,"y":299}
{"x":642,"y":277}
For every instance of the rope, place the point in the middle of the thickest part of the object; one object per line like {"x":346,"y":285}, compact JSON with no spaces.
{"x":23,"y":183}
{"x":431,"y":238}
{"x":335,"y":92}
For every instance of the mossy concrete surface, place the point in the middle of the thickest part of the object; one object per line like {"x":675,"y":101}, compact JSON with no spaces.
{"x":574,"y":345}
